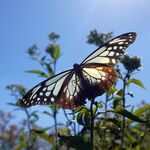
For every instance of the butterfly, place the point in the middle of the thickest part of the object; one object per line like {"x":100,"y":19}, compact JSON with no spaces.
{"x":92,"y":78}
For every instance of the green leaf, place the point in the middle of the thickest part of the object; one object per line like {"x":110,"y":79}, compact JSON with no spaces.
{"x":140,"y":111}
{"x":81,"y":108}
{"x":114,"y":121}
{"x":44,"y":135}
{"x":49,"y":69}
{"x":47,"y":113}
{"x":79,"y":118}
{"x":119,"y":93}
{"x":76,"y":142}
{"x":135,"y":81}
{"x":84,"y":117}
{"x":21,"y":145}
{"x":54,"y":51}
{"x":112,"y":90}
{"x":34,"y":114}
{"x":38,"y":72}
{"x":131,"y":138}
{"x":116,"y":101}
{"x":87,"y":118}
{"x":128,"y":114}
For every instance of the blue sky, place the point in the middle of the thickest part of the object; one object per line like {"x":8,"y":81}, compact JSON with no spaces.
{"x":23,"y":23}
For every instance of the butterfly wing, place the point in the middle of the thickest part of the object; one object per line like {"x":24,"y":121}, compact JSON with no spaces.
{"x":72,"y":95}
{"x":98,"y":79}
{"x":98,"y":68}
{"x":64,"y":89}
{"x":111,"y":52}
{"x":45,"y":92}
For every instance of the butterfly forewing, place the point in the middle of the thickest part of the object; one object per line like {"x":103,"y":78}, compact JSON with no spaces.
{"x":45,"y":92}
{"x":111,"y":52}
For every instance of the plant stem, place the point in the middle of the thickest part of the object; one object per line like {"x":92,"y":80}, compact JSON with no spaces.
{"x":55,"y":115}
{"x":74,"y":125}
{"x":92,"y":123}
{"x":55,"y":125}
{"x":123,"y":104}
{"x":30,"y":140}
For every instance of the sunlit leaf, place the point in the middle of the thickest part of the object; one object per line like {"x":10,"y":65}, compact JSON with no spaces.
{"x":135,"y":81}
{"x":64,"y":131}
{"x":21,"y":145}
{"x":84,"y":117}
{"x":119,"y":93}
{"x":130,"y":137}
{"x":128,"y":114}
{"x":49,"y":69}
{"x":112,"y":90}
{"x":44,"y":135}
{"x":78,"y":110}
{"x":140,"y":111}
{"x":79,"y":118}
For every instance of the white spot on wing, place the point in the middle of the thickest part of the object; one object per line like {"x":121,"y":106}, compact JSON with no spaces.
{"x":111,"y":53}
{"x":52,"y":99}
{"x":34,"y":91}
{"x":47,"y":93}
{"x":105,"y":53}
{"x":114,"y":61}
{"x":41,"y":93}
{"x":120,"y":47}
{"x":120,"y":43}
{"x":115,"y":47}
{"x":109,"y":48}
{"x":44,"y":89}
{"x":34,"y":96}
{"x":50,"y":87}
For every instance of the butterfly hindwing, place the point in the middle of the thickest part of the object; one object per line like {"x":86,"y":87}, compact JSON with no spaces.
{"x":72,"y":95}
{"x":100,"y":79}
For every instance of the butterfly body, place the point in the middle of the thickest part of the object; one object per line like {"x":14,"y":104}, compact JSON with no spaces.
{"x":93,"y":77}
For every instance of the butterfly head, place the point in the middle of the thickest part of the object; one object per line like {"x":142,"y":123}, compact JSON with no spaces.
{"x":77,"y":67}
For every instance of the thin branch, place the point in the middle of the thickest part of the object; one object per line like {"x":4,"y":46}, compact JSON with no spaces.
{"x":92,"y":124}
{"x":123,"y":104}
